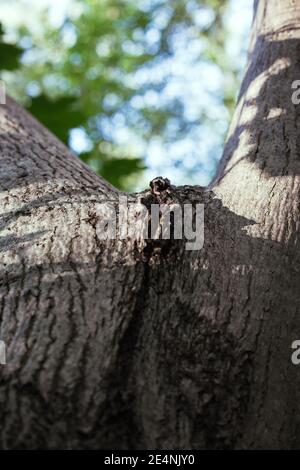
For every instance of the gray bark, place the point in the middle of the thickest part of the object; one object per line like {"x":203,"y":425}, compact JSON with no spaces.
{"x":127,"y":345}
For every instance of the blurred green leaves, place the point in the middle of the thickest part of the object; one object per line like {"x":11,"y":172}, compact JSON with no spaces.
{"x":59,"y":115}
{"x":115,"y":170}
{"x":107,"y":70}
{"x":9,"y":54}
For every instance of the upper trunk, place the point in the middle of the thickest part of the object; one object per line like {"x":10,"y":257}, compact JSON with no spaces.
{"x":125,"y":344}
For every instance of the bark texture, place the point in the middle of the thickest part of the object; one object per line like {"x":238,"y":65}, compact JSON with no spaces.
{"x":142,"y":344}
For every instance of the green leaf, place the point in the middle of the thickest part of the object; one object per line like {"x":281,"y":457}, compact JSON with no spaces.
{"x":114,"y":169}
{"x":59,"y":115}
{"x":10,"y":54}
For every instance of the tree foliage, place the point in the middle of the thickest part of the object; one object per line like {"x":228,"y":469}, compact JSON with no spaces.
{"x":106,"y":73}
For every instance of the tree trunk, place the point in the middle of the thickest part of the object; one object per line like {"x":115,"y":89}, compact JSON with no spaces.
{"x":124,"y":344}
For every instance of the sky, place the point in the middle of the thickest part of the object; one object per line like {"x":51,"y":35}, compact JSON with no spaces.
{"x":196,"y":85}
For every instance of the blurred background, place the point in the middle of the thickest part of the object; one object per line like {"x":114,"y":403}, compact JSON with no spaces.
{"x":136,"y":88}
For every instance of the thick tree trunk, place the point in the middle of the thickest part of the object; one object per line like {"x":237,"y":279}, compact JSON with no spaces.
{"x":123,"y":344}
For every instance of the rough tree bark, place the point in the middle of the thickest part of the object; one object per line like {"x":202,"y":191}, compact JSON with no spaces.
{"x":146,"y":345}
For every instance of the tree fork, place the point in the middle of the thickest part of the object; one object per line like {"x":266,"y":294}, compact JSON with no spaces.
{"x":108,"y":349}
